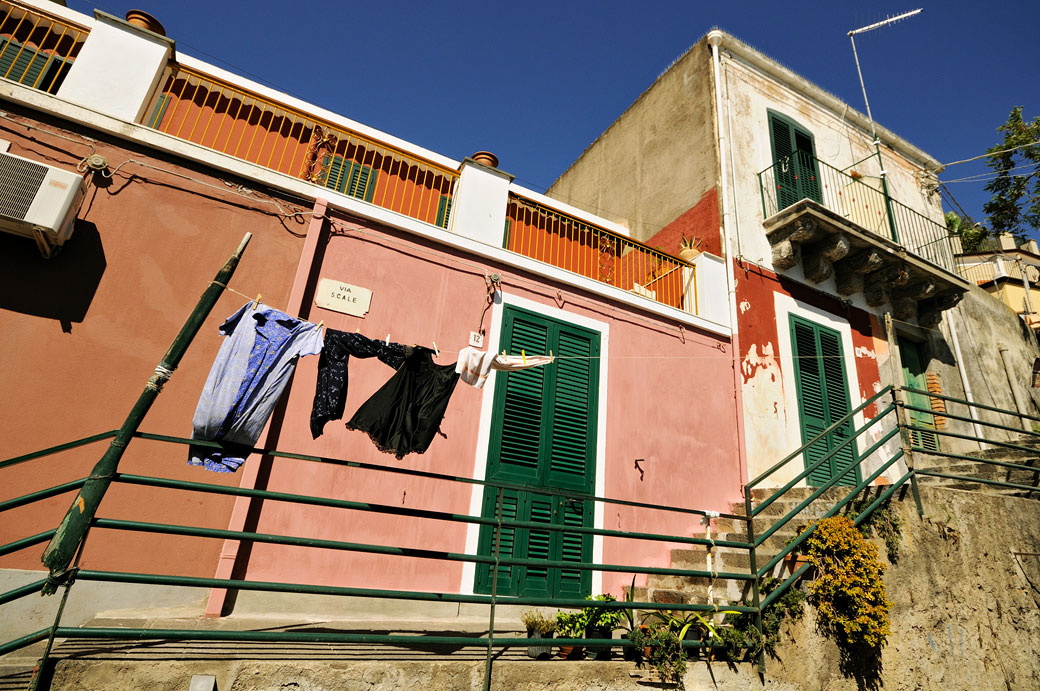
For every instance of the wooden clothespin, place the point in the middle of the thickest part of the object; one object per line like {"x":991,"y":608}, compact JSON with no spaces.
{"x":321,"y":323}
{"x":550,"y":355}
{"x":435,"y":350}
{"x":257,"y":301}
{"x":388,"y":339}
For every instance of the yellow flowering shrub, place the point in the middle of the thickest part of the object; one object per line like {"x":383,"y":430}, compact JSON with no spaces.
{"x":848,"y":593}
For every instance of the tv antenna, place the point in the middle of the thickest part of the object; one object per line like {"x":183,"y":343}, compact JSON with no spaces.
{"x":873,"y":130}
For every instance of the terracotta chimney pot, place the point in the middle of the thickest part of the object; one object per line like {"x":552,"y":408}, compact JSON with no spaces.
{"x":142,"y":19}
{"x":486,"y":158}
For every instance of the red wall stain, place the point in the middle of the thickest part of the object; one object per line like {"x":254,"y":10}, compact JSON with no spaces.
{"x":700,"y":221}
{"x":757,"y":286}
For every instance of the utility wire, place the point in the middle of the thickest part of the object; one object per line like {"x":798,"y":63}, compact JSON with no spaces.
{"x":986,"y":155}
{"x":992,"y":175}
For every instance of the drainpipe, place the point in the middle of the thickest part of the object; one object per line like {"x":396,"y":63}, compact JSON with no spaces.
{"x":1020,"y":404}
{"x":964,"y":378}
{"x":714,"y":40}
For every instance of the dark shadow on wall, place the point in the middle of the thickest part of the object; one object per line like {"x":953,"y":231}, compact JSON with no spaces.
{"x":59,"y":288}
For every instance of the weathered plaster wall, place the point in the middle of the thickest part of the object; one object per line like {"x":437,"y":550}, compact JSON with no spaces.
{"x":965,"y":602}
{"x":764,"y":301}
{"x":748,"y":96}
{"x":984,"y":324}
{"x":424,"y":294}
{"x":81,"y":333}
{"x":658,"y":159}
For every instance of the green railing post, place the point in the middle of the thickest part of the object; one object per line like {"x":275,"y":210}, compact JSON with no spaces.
{"x":753,"y":561}
{"x":494,"y":593}
{"x":42,"y":669}
{"x":72,"y":531}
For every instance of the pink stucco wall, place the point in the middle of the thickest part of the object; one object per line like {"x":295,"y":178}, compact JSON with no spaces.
{"x":81,"y":333}
{"x":669,"y":401}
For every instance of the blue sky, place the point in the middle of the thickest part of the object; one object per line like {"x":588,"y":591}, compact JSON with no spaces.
{"x":537,"y":81}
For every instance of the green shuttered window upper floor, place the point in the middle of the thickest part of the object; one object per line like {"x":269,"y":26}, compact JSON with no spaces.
{"x":823,"y":399}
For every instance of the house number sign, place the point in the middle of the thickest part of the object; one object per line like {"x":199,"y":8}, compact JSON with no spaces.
{"x":343,"y":297}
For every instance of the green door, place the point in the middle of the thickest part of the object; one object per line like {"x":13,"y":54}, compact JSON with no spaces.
{"x":794,"y":162}
{"x":823,"y":399}
{"x":543,"y":435}
{"x":914,"y":378}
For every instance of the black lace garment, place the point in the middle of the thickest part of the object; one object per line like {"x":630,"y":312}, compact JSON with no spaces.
{"x":330,"y":391}
{"x":403,"y":416}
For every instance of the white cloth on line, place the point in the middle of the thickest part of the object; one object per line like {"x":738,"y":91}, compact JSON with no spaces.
{"x":474,"y":365}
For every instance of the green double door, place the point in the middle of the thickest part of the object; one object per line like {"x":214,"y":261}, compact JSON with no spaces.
{"x":823,"y":399}
{"x":543,"y":435}
{"x":914,"y":377}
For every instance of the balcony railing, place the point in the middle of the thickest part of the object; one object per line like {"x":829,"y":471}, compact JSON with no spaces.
{"x":803,"y":176}
{"x":997,"y":268}
{"x":37,"y":49}
{"x":239,"y":123}
{"x":556,"y":238}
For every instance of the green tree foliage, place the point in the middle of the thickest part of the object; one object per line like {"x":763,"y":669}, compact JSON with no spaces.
{"x":974,"y":238}
{"x":1015,"y":205}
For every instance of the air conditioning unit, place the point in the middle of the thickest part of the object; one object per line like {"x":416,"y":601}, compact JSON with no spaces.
{"x":39,"y":201}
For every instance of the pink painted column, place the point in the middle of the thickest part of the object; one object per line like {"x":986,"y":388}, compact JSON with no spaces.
{"x":229,"y":552}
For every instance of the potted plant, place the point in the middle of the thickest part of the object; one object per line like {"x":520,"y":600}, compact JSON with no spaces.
{"x":689,"y":248}
{"x":632,"y":652}
{"x":662,"y":648}
{"x":571,"y":625}
{"x":538,"y":626}
{"x":600,"y":622}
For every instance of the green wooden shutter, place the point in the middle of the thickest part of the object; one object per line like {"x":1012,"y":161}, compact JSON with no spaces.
{"x":837,"y":399}
{"x":574,"y":429}
{"x":783,"y":162}
{"x":914,"y":377}
{"x":155,"y":119}
{"x":822,"y":400}
{"x":794,"y":162}
{"x":443,"y":211}
{"x":520,"y":423}
{"x":573,"y":583}
{"x":353,"y":179}
{"x":509,"y":543}
{"x":544,"y":435}
{"x":21,"y":64}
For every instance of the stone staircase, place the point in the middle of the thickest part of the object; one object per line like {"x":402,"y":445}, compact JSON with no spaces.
{"x":1027,"y":474}
{"x":687,"y":590}
{"x":680,"y":589}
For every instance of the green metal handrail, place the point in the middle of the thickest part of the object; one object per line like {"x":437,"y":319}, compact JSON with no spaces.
{"x":26,"y":542}
{"x":416,"y":552}
{"x":417,"y":595}
{"x":41,"y":494}
{"x":800,"y":450}
{"x":764,"y":504}
{"x":22,"y":591}
{"x":430,"y":475}
{"x":863,"y":515}
{"x":56,"y":449}
{"x":970,"y":404}
{"x":150,"y":481}
{"x":968,"y":478}
{"x":799,"y":539}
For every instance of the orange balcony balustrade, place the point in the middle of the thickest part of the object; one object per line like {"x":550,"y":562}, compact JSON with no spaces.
{"x":37,"y":49}
{"x":236,"y":122}
{"x":555,"y":238}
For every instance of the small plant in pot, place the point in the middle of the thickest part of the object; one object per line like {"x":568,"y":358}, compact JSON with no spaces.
{"x":538,"y":626}
{"x":689,"y":248}
{"x":600,"y":622}
{"x":571,"y":625}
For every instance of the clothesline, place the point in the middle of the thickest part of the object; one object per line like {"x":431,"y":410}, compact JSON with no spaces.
{"x":442,"y":351}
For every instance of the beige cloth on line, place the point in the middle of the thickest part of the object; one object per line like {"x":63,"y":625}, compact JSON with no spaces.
{"x":474,"y":365}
